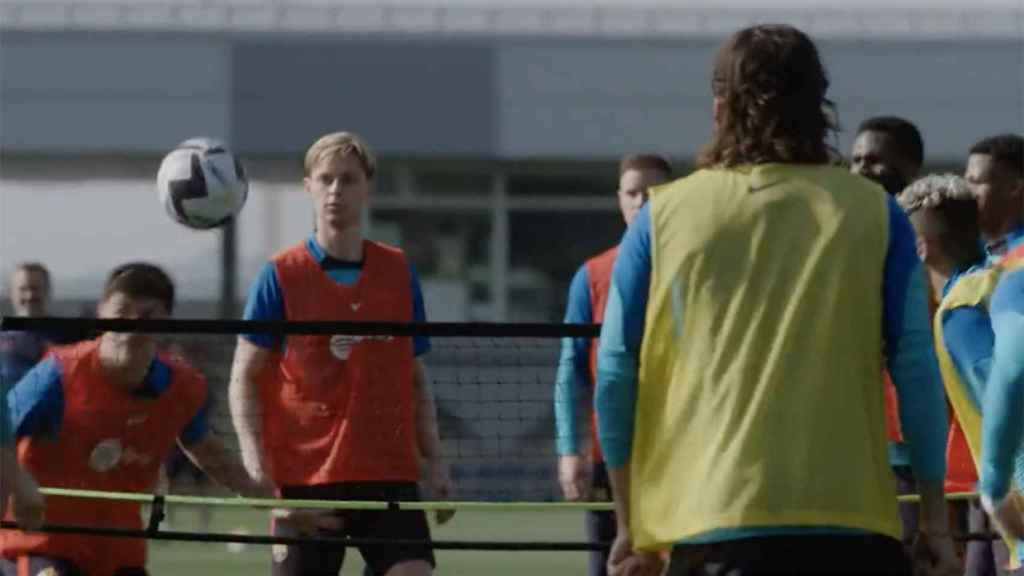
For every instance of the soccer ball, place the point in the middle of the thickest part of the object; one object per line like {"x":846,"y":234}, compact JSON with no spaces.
{"x":202,"y":184}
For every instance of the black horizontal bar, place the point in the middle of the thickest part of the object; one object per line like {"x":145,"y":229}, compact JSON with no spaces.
{"x":197,"y":326}
{"x":338,"y":541}
{"x":480,"y":545}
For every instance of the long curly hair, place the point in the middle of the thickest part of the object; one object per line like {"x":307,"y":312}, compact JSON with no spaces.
{"x":772,"y":85}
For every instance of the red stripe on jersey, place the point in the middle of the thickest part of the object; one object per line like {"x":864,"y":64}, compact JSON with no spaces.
{"x":599,"y":278}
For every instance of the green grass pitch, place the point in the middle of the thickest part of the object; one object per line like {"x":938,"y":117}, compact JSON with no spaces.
{"x":192,"y":559}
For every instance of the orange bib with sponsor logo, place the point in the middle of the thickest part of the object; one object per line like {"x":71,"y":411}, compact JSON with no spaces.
{"x":341,"y":408}
{"x":108,"y":440}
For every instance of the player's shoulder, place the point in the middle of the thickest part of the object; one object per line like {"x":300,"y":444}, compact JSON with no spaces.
{"x":740,"y":177}
{"x":972,"y":288}
{"x":387,"y":256}
{"x":840,"y":179}
{"x":699,"y":185}
{"x":602,"y":259}
{"x":71,"y":355}
{"x":385,"y":248}
{"x":292,"y":253}
{"x":184,"y":373}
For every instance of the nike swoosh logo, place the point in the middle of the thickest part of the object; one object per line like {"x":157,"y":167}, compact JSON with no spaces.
{"x":753,"y":188}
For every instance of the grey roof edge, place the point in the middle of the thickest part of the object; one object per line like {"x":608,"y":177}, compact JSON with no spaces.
{"x":291,"y":16}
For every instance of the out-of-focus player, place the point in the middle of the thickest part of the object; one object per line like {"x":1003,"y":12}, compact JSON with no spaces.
{"x":753,"y":303}
{"x":102,"y":415}
{"x":581,"y":471}
{"x":340,"y":417}
{"x":980,"y":333}
{"x":890,"y":151}
{"x":30,"y":291}
{"x":944,"y":214}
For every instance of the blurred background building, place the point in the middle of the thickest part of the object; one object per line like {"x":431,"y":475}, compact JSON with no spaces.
{"x":498,"y":122}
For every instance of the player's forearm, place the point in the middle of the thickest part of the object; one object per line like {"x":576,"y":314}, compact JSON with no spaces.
{"x":915,"y":373}
{"x":1002,"y":406}
{"x":427,"y":435}
{"x":934,"y":510}
{"x":13,"y":478}
{"x":615,"y":396}
{"x":568,"y":402}
{"x":619,"y":479}
{"x":246,"y":407}
{"x":225,"y":468}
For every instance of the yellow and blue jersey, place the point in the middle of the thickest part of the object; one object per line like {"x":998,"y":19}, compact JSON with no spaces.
{"x":742,"y":350}
{"x":979,"y":332}
{"x":969,"y":322}
{"x":995,"y":251}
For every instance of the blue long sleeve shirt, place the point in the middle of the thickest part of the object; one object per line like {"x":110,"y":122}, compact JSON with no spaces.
{"x":573,"y":381}
{"x":1002,"y":399}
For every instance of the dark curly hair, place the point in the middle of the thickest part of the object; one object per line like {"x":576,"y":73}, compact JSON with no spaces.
{"x":141,"y":280}
{"x":772,"y":86}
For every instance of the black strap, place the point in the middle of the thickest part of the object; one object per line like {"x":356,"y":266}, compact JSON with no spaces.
{"x":156,"y":514}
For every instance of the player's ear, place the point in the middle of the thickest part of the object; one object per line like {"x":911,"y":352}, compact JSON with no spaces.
{"x":307,"y":182}
{"x":717,"y":109}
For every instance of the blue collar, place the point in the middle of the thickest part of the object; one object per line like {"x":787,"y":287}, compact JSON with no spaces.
{"x":157,"y":380}
{"x":325,"y":260}
{"x":1008,"y":243}
{"x":959,"y":273}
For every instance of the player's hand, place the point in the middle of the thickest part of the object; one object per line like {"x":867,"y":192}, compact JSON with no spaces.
{"x":441,"y":487}
{"x":1006,"y":514}
{"x":258,"y":489}
{"x":935,"y":555}
{"x":624,"y":561}
{"x":574,"y":477}
{"x":163,"y":481}
{"x":308,"y":522}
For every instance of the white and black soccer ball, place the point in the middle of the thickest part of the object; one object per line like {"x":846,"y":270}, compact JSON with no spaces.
{"x":202,"y":184}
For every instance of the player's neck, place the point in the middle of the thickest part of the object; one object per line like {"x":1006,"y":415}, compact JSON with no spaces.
{"x":938,"y":278}
{"x":1009,"y":225}
{"x":345,"y":244}
{"x":125,"y":370}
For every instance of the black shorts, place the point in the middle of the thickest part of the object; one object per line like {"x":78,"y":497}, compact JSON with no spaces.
{"x":601,"y":525}
{"x":807,"y":554}
{"x":326,"y":559}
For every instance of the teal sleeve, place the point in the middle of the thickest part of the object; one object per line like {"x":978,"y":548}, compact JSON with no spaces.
{"x":1003,"y":401}
{"x":910,"y":351}
{"x":967,"y":336}
{"x":198,"y":427}
{"x":621,"y":335}
{"x":34,"y":407}
{"x":573,"y":375}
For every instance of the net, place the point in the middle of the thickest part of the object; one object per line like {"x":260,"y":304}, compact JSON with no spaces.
{"x":493,"y":388}
{"x":492,"y":384}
